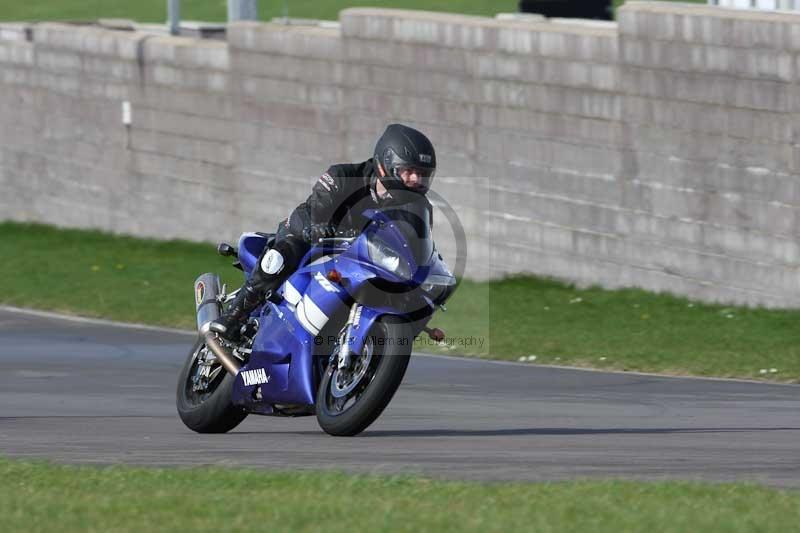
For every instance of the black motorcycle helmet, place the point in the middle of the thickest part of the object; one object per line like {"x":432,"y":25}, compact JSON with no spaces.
{"x":399,"y":148}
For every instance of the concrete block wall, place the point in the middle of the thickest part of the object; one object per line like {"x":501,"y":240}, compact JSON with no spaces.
{"x":658,"y":152}
{"x":183,"y":154}
{"x":287,"y":94}
{"x":58,"y":159}
{"x":710,"y":114}
{"x":65,"y":155}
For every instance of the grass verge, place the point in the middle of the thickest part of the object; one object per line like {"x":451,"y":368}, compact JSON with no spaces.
{"x":138,"y":280}
{"x":216,"y":10}
{"x":35,"y":496}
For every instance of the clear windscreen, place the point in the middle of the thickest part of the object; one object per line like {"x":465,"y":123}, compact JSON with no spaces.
{"x":413,"y":222}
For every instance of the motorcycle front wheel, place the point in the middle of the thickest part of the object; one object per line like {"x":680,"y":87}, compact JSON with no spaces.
{"x":203,"y":395}
{"x":349,"y":401}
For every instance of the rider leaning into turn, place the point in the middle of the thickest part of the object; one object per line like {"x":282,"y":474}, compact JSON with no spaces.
{"x":400,"y":172}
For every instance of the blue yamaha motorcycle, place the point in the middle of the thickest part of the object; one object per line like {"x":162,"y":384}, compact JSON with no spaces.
{"x":333,"y":341}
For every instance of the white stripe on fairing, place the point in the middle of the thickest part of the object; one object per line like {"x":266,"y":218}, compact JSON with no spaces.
{"x":291,"y":294}
{"x":300,"y":313}
{"x":314,"y":313}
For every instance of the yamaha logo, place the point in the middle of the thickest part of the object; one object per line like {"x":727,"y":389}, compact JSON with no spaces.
{"x":257,"y":376}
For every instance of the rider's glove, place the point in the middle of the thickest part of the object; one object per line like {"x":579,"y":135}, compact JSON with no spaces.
{"x":315,"y":232}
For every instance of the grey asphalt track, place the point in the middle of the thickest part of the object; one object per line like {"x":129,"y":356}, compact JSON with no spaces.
{"x":90,"y":393}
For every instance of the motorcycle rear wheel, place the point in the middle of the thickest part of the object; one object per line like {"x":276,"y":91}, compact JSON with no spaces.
{"x":209,"y":411}
{"x":346,"y":409}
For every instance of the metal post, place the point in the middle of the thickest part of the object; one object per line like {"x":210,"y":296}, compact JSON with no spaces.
{"x":242,"y":10}
{"x":174,"y":16}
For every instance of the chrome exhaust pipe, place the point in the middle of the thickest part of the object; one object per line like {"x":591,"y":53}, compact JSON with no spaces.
{"x":207,"y":289}
{"x":229,"y":362}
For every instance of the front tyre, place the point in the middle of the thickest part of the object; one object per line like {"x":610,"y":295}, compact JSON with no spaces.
{"x":204,"y":390}
{"x":348,"y":402}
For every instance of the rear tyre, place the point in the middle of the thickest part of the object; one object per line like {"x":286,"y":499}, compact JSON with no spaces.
{"x":348,"y":403}
{"x":203,"y":396}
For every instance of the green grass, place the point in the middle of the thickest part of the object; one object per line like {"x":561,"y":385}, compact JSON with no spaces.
{"x":216,"y":10}
{"x":137,"y":280}
{"x":100,"y":275}
{"x":623,"y":330}
{"x":39,"y":497}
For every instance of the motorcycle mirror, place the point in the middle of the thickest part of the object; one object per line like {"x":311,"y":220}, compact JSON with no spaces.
{"x":226,"y":249}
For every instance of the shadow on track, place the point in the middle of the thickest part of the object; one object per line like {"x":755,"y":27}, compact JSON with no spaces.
{"x":559,"y":431}
{"x":527,"y":432}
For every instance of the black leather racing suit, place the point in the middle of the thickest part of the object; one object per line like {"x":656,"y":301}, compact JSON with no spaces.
{"x":338,"y":198}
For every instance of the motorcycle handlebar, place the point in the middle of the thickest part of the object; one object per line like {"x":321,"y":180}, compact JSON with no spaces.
{"x":336,"y":240}
{"x":318,"y":233}
{"x":344,"y":235}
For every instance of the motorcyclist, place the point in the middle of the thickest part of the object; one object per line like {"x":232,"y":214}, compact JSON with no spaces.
{"x":400,"y":171}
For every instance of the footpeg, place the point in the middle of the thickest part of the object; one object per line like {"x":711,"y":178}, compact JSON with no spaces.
{"x":435,"y":334}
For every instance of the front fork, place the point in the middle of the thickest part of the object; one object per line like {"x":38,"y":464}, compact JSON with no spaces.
{"x":347,"y":336}
{"x":355,"y":330}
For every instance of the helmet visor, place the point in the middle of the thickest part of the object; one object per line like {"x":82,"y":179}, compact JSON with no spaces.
{"x":415,"y":177}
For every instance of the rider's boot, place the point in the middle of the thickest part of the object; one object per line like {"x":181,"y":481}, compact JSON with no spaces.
{"x":229,"y":325}
{"x":265,"y":277}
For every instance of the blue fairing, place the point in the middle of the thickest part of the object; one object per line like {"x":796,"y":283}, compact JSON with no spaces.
{"x":312,"y":310}
{"x":250,"y":247}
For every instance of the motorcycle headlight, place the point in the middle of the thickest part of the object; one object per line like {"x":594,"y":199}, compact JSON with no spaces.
{"x":384,"y":256}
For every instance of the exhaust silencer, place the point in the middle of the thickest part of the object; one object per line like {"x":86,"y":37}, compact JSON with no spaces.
{"x":206,"y":290}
